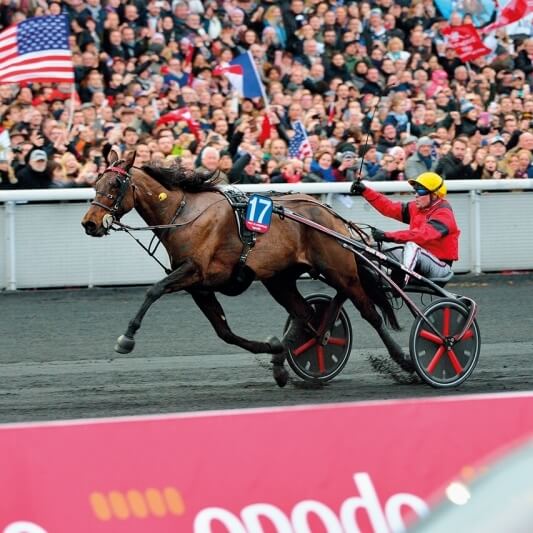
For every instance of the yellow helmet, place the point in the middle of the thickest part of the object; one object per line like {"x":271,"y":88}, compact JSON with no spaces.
{"x":432,"y":182}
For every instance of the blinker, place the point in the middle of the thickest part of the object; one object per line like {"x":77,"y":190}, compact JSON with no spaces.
{"x":107,"y":221}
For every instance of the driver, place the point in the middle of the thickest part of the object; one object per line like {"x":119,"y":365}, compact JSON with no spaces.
{"x":431,"y":243}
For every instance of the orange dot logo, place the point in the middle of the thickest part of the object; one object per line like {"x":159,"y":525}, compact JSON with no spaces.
{"x":137,"y":504}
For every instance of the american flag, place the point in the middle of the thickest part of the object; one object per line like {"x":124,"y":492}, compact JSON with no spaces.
{"x":36,"y":49}
{"x":299,"y":145}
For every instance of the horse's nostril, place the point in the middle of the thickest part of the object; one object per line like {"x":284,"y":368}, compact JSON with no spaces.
{"x":90,"y":227}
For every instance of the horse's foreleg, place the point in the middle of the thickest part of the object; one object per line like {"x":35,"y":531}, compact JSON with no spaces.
{"x":211,"y":308}
{"x":174,"y":281}
{"x":213,"y":311}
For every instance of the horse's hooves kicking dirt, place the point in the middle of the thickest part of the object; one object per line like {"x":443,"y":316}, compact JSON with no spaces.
{"x":281,"y":375}
{"x":124,"y":344}
{"x":308,"y":385}
{"x":385,"y":366}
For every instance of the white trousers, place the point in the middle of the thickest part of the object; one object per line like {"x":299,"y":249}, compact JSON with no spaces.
{"x":418,"y":259}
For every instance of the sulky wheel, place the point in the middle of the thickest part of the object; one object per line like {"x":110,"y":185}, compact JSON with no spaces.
{"x":320,"y":361}
{"x":445,"y":363}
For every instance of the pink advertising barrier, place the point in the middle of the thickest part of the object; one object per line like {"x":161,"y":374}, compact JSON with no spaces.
{"x":333,"y":468}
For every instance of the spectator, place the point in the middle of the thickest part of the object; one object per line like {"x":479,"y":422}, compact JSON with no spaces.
{"x":399,"y":156}
{"x":388,"y":139}
{"x":288,"y":173}
{"x":422,"y":160}
{"x":250,"y":173}
{"x":409,"y":145}
{"x":389,"y":169}
{"x":209,"y":160}
{"x":7,"y":175}
{"x":497,"y":147}
{"x":36,"y":174}
{"x":322,"y":167}
{"x":322,"y":64}
{"x":525,"y":166}
{"x":455,"y":164}
{"x":368,"y":162}
{"x":509,"y":165}
{"x":490,"y":169}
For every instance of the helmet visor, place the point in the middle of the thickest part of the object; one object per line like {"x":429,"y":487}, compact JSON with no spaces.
{"x":421,"y":191}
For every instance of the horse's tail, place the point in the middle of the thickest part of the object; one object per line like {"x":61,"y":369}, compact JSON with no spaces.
{"x":375,"y":288}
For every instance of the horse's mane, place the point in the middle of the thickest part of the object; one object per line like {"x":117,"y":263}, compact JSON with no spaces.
{"x":175,"y":176}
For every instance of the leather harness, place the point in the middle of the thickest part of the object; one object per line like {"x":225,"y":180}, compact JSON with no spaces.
{"x":238,"y":201}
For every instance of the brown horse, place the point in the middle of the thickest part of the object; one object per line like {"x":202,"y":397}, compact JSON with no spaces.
{"x":204,"y":249}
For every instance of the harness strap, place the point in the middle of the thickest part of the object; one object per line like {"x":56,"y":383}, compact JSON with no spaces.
{"x":239,"y":203}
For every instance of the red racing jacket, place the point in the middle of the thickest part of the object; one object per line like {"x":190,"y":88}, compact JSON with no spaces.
{"x":434,"y":228}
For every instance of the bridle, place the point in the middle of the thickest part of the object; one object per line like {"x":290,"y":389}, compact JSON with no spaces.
{"x":124,"y":180}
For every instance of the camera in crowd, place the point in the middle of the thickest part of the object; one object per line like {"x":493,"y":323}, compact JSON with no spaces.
{"x":349,"y":157}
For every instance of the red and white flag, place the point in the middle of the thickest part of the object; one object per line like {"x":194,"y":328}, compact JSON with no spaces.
{"x":512,"y":12}
{"x":181,"y":115}
{"x":234,"y":74}
{"x":36,"y":49}
{"x":243,"y":75}
{"x":466,"y":42}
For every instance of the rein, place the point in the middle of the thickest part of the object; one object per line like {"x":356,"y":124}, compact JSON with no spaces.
{"x":352,"y":225}
{"x":127,"y":181}
{"x":151,"y":249}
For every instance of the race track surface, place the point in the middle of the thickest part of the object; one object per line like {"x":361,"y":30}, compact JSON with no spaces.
{"x":57,"y":359}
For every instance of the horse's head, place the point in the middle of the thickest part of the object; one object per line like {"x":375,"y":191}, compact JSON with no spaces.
{"x":114,"y":195}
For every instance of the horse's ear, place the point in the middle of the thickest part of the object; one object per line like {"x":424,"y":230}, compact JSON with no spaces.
{"x":129,"y":159}
{"x":106,"y":149}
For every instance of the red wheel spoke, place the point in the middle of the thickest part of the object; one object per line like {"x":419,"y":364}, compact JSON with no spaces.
{"x":455,"y":362}
{"x":320,"y":356}
{"x":468,"y":335}
{"x":425,"y":334}
{"x":304,"y":347}
{"x":436,"y":358}
{"x":446,"y":314}
{"x":337,"y":341}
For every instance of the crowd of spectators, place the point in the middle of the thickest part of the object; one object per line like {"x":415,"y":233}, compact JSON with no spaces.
{"x":374,"y":83}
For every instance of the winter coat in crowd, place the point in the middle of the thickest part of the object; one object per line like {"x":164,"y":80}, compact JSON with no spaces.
{"x":416,"y":165}
{"x":451,"y":168}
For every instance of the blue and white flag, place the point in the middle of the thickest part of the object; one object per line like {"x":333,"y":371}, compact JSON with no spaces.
{"x":481,"y":10}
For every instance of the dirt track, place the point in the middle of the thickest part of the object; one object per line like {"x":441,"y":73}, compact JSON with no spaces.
{"x":57,"y":359}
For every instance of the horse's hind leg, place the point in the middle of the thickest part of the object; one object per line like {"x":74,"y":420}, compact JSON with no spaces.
{"x":357,"y":294}
{"x":176,"y":280}
{"x":211,"y":308}
{"x":284,"y":290}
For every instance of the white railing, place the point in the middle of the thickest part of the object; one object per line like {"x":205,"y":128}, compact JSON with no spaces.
{"x":45,"y":246}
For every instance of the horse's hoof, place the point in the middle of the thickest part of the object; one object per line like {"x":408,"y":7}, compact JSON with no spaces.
{"x":275,"y":345}
{"x":280,"y":375}
{"x":124,"y":344}
{"x":404,"y":362}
